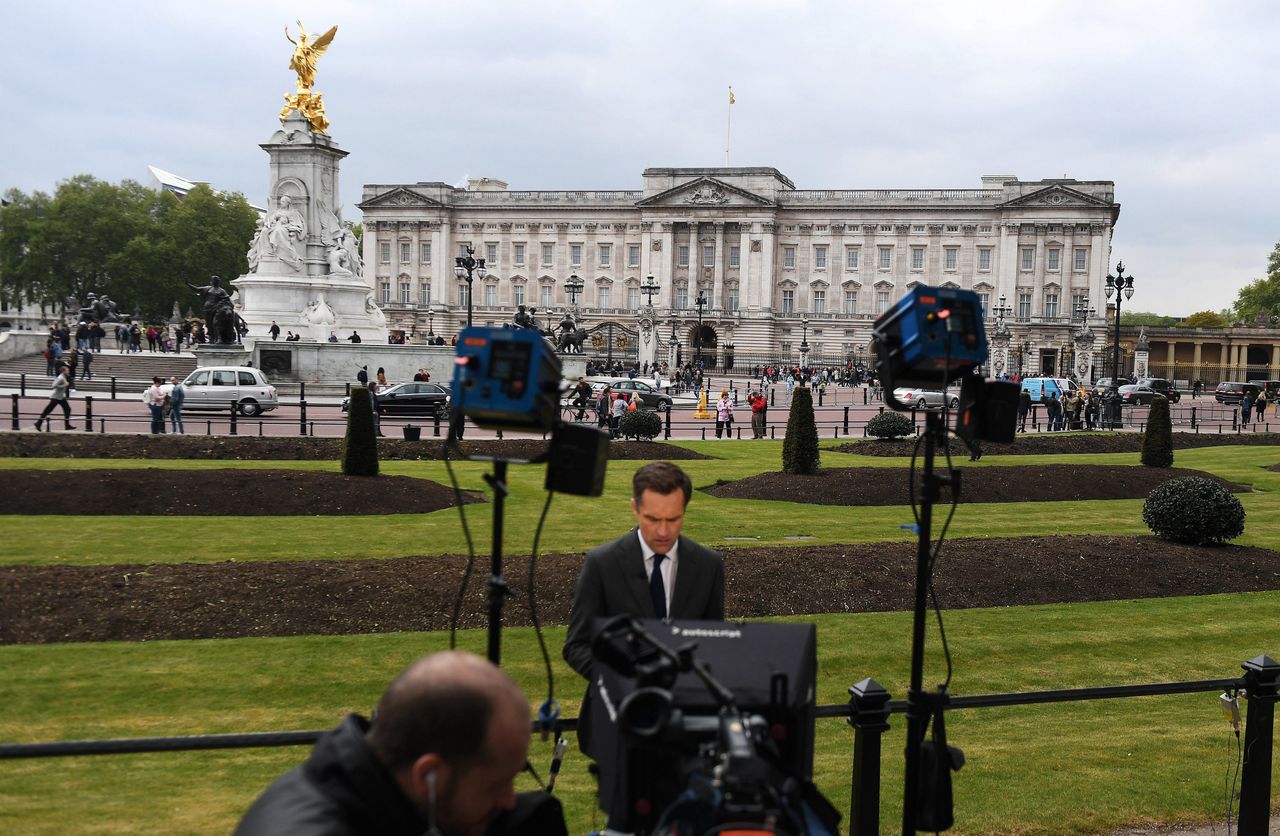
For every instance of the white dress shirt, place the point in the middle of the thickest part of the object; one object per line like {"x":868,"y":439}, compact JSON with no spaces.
{"x":668,"y":567}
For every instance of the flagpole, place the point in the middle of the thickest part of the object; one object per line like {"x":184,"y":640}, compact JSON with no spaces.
{"x":728,"y":126}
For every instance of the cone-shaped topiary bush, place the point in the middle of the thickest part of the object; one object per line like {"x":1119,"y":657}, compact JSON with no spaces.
{"x":360,"y":444}
{"x":1157,"y":442}
{"x":800,"y":447}
{"x":641,"y":424}
{"x":1193,"y":510}
{"x":890,"y":425}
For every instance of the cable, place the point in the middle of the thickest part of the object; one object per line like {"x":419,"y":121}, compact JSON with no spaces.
{"x":533,"y":601}
{"x":471,"y":550}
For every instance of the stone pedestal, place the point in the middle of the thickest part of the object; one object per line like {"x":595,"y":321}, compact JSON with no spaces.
{"x":305,"y":272}
{"x":222,"y":355}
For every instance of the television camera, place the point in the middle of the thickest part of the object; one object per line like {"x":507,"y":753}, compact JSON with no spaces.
{"x":681,"y":751}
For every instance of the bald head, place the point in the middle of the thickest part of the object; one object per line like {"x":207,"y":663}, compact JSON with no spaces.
{"x":446,"y":704}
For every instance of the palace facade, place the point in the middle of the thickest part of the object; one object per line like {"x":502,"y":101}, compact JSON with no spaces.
{"x":777,"y":265}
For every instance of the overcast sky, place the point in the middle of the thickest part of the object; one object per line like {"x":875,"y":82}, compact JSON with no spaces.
{"x":1175,"y":101}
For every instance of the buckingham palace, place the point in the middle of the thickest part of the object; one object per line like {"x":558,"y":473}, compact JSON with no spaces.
{"x":772,"y":265}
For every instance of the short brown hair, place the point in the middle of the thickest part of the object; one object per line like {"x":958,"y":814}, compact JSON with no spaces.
{"x":663,"y":478}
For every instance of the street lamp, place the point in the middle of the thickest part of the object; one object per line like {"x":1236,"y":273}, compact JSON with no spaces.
{"x":431,"y":319}
{"x":804,"y":350}
{"x":1120,"y":285}
{"x":464,"y":267}
{"x":701,"y":303}
{"x":649,"y":288}
{"x":573,"y":287}
{"x":1001,"y":310}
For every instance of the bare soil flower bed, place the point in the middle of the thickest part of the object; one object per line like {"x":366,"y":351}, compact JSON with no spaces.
{"x":223,"y":600}
{"x":891,"y":486}
{"x":220,"y":493}
{"x":292,"y":448}
{"x":1074,"y":442}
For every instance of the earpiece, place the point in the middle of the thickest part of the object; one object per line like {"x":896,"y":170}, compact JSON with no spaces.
{"x":431,"y":788}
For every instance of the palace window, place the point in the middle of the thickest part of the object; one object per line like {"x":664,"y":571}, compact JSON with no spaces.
{"x":424,"y":295}
{"x":575,"y":255}
{"x":708,"y":255}
{"x":788,"y":258}
{"x":1028,"y":258}
{"x":733,"y":298}
{"x":491,"y":295}
{"x":950,"y":257}
{"x":735,"y":256}
{"x":851,"y":301}
{"x":984,"y":301}
{"x":633,"y":298}
{"x":1055,"y":260}
{"x":984,"y":259}
{"x":820,"y":258}
{"x":606,"y":254}
{"x":426,"y":252}
{"x":886,"y":258}
{"x":851,"y":258}
{"x":788,"y":301}
{"x":386,"y":293}
{"x":548,"y":254}
{"x":917,"y":258}
{"x":1078,"y":302}
{"x":385,"y":252}
{"x":882,"y":301}
{"x":1024,"y":306}
{"x":406,"y":252}
{"x":518,"y":254}
{"x":464,"y":294}
{"x":819,"y":301}
{"x":491,"y":256}
{"x":1082,"y":259}
{"x":1051,"y":306}
{"x":633,"y":255}
{"x":517,"y":295}
{"x":604,"y":297}
{"x":682,"y":298}
{"x":682,"y":255}
{"x":545,"y":293}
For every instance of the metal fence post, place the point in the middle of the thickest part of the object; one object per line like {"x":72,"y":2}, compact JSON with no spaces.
{"x":302,"y":417}
{"x":22,"y":386}
{"x":1235,"y":419}
{"x":88,"y":413}
{"x":667,"y":431}
{"x":865,"y":390}
{"x":435,"y":427}
{"x":16,"y":424}
{"x":846,"y":420}
{"x":1193,"y":417}
{"x":869,"y":716}
{"x":821,"y":392}
{"x":773,"y":391}
{"x":302,"y":390}
{"x":233,"y":418}
{"x":1261,"y":679}
{"x":113,"y":388}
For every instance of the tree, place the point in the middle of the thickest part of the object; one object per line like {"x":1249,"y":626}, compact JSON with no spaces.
{"x":1261,"y":297}
{"x":359,"y":453}
{"x":1205,"y":319}
{"x":1157,"y":441}
{"x":1149,"y":319}
{"x":800,"y":447}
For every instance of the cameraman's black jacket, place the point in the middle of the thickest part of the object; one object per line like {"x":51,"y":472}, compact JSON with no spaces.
{"x":344,"y":790}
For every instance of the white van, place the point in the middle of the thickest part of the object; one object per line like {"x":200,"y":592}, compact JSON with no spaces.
{"x":215,"y":387}
{"x":1041,"y":387}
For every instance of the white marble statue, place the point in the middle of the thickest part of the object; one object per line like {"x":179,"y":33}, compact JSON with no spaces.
{"x":318,"y":312}
{"x":285,"y":228}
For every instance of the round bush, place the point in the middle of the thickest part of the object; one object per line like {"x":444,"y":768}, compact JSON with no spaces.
{"x":890,"y":425}
{"x":641,"y":424}
{"x":1193,"y":510}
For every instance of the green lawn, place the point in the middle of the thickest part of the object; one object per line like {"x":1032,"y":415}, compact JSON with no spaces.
{"x":1071,"y":768}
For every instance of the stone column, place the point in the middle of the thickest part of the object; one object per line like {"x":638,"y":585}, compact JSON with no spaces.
{"x":1007,"y":277}
{"x":441,"y":264}
{"x":667,"y":298}
{"x":1242,"y":360}
{"x":1195,"y":361}
{"x":744,"y":264}
{"x":717,"y":292}
{"x":1171,"y":371}
{"x":764,"y":291}
{"x":646,"y":254}
{"x":1275,"y":360}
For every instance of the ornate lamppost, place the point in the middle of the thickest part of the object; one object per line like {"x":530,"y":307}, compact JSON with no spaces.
{"x":466,"y":267}
{"x":431,"y":319}
{"x":804,"y":350}
{"x":573,"y":287}
{"x":701,"y":302}
{"x":1122,"y":286}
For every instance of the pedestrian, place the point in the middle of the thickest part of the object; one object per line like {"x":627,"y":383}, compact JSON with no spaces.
{"x":362,"y":376}
{"x":421,"y":376}
{"x":274,"y":331}
{"x":615,"y":419}
{"x":1246,"y":407}
{"x":759,"y":407}
{"x":177,"y":395}
{"x":382,"y":377}
{"x":86,"y":360}
{"x":58,"y":397}
{"x":154,"y":399}
{"x":604,"y":405}
{"x":70,"y":360}
{"x":724,"y":414}
{"x":1024,"y":406}
{"x":1091,"y":410}
{"x":373,"y":396}
{"x":333,"y":336}
{"x":1260,"y":407}
{"x":354,"y":338}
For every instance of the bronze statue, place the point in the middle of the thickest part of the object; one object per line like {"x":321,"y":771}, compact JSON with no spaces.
{"x":219,"y":315}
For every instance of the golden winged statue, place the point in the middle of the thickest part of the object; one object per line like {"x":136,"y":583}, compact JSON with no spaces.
{"x":306,"y":52}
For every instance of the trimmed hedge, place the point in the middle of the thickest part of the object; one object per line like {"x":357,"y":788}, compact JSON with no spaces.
{"x":890,"y":425}
{"x":1157,"y":441}
{"x":800,"y":447}
{"x":1193,"y":510}
{"x":360,"y":444}
{"x":641,"y":424}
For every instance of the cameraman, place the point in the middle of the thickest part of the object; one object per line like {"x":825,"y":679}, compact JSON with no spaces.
{"x":441,"y":756}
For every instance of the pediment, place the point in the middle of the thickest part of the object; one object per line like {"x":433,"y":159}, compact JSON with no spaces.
{"x":1057,"y":197}
{"x":708,"y":192}
{"x":400,"y":198}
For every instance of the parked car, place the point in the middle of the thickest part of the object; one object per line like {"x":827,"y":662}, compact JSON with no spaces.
{"x":1162,"y":386}
{"x":1134,"y":393}
{"x":1233,"y":392}
{"x":650,"y":398}
{"x":411,"y":399}
{"x":216,"y":387}
{"x":927,"y":398}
